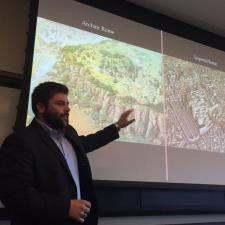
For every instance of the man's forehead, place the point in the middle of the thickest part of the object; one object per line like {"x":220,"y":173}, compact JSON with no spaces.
{"x":59,"y":97}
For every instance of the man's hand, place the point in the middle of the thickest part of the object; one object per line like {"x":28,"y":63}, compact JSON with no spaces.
{"x":79,"y":209}
{"x":123,"y":120}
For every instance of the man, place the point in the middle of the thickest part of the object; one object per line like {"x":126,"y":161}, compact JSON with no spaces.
{"x":45,"y":175}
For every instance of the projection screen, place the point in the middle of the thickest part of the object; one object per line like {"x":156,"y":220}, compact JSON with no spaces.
{"x":111,"y":64}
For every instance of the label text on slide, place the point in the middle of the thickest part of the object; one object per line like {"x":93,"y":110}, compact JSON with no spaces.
{"x":97,"y":27}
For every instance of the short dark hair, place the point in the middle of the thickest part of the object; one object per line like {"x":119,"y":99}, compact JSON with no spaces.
{"x":44,"y":91}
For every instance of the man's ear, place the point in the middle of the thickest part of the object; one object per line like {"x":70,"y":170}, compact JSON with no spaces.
{"x":40,"y":108}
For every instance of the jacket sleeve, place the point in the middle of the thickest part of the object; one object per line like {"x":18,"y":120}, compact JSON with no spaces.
{"x":17,"y":185}
{"x":100,"y":138}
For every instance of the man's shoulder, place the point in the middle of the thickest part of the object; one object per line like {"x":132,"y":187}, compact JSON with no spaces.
{"x":71,"y":130}
{"x":20,"y":141}
{"x":23,"y":133}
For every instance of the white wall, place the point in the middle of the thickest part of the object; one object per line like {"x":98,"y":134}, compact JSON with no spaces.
{"x":13,"y":24}
{"x":156,"y":220}
{"x":8,"y":112}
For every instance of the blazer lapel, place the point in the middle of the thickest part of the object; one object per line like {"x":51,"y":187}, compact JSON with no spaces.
{"x":51,"y":144}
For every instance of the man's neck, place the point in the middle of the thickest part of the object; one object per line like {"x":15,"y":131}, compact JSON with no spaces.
{"x":49,"y":128}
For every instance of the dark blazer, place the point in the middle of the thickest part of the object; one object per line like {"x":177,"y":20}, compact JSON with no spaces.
{"x":35,"y":182}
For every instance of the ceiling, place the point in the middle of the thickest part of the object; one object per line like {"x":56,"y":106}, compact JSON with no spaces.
{"x":206,"y":14}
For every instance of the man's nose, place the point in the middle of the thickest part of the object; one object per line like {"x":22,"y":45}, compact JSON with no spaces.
{"x":67,"y":108}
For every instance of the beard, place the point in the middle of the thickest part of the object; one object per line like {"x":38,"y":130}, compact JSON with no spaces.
{"x":55,"y":120}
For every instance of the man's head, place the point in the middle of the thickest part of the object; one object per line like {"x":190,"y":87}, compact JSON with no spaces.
{"x":50,"y":104}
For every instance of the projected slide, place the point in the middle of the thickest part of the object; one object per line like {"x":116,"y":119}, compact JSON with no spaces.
{"x":195,"y":117}
{"x":194,"y":88}
{"x":105,"y":78}
{"x":111,"y":64}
